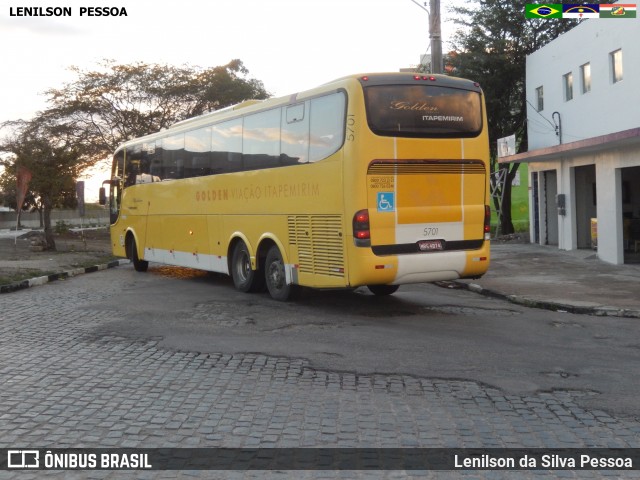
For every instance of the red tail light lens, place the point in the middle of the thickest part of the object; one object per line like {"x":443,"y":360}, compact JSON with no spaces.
{"x":362,"y":217}
{"x":361,"y":229}
{"x":487,"y":219}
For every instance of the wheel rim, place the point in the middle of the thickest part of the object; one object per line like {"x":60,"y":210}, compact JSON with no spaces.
{"x":276,"y":275}
{"x":243,"y":267}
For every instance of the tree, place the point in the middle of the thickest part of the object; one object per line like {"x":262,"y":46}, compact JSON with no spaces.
{"x":491,"y":49}
{"x":52,"y":158}
{"x":119,"y":102}
{"x":91,"y":115}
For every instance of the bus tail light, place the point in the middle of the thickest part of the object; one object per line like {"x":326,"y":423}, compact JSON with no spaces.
{"x":487,"y":222}
{"x":361,"y":228}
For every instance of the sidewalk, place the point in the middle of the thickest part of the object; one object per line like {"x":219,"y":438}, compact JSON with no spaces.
{"x":573,"y":281}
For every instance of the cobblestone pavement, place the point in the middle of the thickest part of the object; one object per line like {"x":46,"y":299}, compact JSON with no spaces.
{"x":61,"y":385}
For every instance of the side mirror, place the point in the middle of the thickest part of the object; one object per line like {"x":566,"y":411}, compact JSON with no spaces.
{"x":102,"y":196}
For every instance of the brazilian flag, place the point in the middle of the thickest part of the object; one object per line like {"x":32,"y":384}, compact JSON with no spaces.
{"x":544,"y":10}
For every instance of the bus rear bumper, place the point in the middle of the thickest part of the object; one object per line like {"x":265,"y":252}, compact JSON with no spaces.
{"x":420,"y":267}
{"x":432,"y":267}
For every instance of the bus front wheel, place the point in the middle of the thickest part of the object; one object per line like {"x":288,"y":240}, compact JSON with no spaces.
{"x":275,"y":275}
{"x":379,"y":290}
{"x":138,"y":265}
{"x":244,"y":278}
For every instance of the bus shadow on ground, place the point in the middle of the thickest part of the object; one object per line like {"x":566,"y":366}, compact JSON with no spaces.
{"x":359,"y":302}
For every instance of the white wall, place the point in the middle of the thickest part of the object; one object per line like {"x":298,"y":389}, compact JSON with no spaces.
{"x":608,"y":107}
{"x":70,"y":217}
{"x":609,"y":200}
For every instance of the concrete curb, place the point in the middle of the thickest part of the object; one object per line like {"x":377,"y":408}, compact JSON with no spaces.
{"x":32,"y":282}
{"x":600,"y":311}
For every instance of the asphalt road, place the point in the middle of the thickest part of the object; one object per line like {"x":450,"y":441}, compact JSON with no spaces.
{"x":177,"y":358}
{"x":423,"y":331}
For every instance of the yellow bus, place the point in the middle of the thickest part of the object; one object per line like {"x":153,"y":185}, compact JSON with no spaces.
{"x":371,"y":180}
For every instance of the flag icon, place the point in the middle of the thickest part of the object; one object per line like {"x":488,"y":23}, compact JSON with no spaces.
{"x":547,"y":10}
{"x":618,"y":10}
{"x":580,"y":10}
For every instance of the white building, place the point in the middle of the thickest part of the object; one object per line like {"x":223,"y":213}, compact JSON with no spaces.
{"x":583,"y":116}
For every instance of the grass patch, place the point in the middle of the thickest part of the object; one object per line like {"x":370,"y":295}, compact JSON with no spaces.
{"x":91,"y":263}
{"x":22,"y":274}
{"x":8,"y":277}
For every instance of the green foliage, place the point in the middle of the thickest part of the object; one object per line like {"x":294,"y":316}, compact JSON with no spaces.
{"x":491,"y":48}
{"x":116,"y":103}
{"x":91,"y":115}
{"x":61,"y":227}
{"x":51,"y":156}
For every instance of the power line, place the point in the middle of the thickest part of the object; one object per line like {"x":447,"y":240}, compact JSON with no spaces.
{"x":536,"y":110}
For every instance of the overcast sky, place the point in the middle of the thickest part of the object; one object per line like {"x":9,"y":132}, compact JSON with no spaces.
{"x":290,"y":45}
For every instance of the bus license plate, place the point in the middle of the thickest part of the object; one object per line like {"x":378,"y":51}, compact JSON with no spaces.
{"x":430,"y":245}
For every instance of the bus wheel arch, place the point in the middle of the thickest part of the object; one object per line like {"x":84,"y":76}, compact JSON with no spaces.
{"x":266,"y":242}
{"x":131,"y":250}
{"x":275,"y":274}
{"x":261,"y":254}
{"x":244,"y":277}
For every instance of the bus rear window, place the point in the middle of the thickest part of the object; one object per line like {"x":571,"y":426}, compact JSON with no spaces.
{"x":423,"y":111}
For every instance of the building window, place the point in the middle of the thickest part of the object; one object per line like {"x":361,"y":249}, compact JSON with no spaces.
{"x":567,"y":80}
{"x":616,"y":65}
{"x":539,"y":99}
{"x":585,"y":71}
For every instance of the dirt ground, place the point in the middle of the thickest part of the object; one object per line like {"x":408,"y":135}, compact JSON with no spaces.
{"x":19,"y":261}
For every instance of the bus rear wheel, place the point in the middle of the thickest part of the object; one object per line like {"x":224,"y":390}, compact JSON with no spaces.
{"x":244,"y":278}
{"x":380,"y":290}
{"x":276,"y":276}
{"x":138,"y":265}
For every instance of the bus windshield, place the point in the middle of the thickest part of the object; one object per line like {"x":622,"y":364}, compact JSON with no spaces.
{"x":426,"y":111}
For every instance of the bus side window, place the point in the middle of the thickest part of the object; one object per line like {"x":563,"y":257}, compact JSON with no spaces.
{"x":226,"y":147}
{"x":261,"y":140}
{"x":147,"y":164}
{"x":327,"y":125}
{"x":197,"y":145}
{"x":155,"y":168}
{"x":294,"y":136}
{"x":173,"y":156}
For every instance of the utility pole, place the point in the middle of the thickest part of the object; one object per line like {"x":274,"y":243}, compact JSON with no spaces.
{"x":435,"y":35}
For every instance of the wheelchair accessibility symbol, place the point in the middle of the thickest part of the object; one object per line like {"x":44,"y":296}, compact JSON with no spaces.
{"x":386,"y":202}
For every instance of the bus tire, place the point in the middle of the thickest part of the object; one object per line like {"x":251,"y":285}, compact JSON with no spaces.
{"x":381,"y":290}
{"x":244,"y":278}
{"x":275,"y":275}
{"x":138,"y":265}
